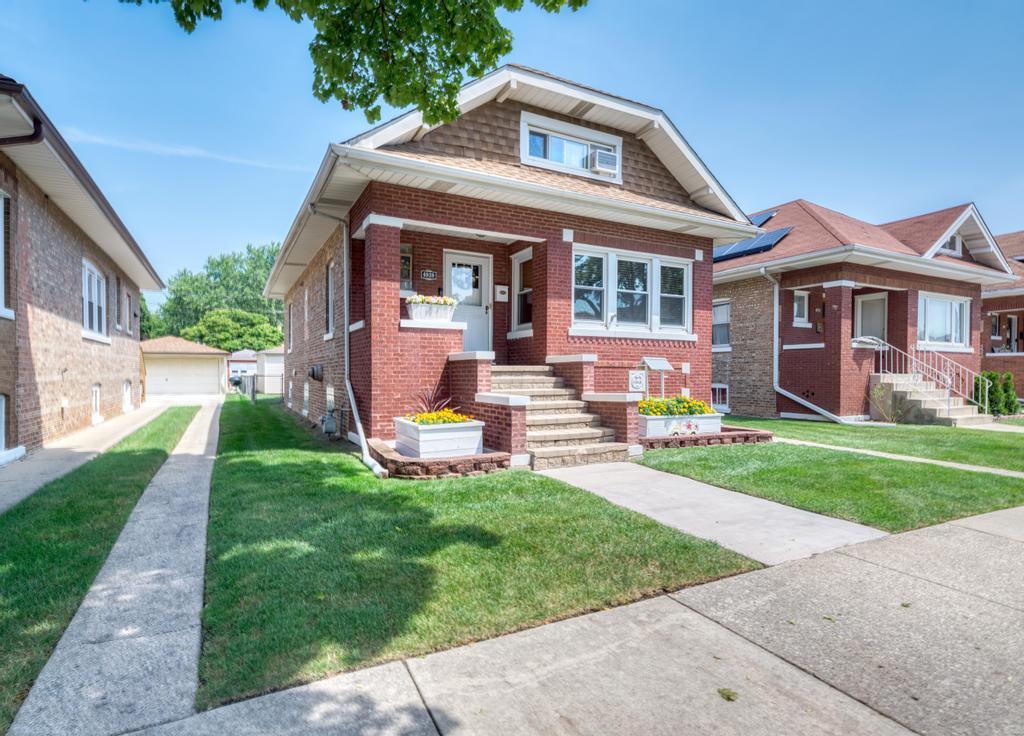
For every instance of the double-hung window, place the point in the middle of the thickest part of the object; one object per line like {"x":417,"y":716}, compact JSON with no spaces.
{"x":628,"y":294}
{"x":94,"y":301}
{"x":632,"y":292}
{"x":569,"y":148}
{"x":721,"y":317}
{"x":522,"y":290}
{"x":117,"y":302}
{"x":329,"y":298}
{"x":128,"y":316}
{"x":943,"y":322}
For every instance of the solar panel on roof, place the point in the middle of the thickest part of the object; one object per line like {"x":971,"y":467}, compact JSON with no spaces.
{"x":762,"y":218}
{"x":750,"y":246}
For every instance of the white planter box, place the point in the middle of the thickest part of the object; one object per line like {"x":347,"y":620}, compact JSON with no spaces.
{"x":438,"y":440}
{"x":431,"y":312}
{"x":675,"y":425}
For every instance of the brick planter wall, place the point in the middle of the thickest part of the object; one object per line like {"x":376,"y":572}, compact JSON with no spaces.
{"x":728,"y":436}
{"x":399,"y":466}
{"x":622,"y":416}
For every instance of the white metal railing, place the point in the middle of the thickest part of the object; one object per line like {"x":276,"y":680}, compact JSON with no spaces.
{"x":931,"y":366}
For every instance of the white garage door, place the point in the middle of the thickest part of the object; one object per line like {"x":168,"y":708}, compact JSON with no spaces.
{"x":182,"y":376}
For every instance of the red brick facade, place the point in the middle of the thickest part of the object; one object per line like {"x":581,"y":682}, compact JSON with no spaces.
{"x":47,"y":367}
{"x":830,"y":373}
{"x":1003,"y":309}
{"x":391,"y":365}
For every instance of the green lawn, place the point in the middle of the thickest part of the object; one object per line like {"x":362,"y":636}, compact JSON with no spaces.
{"x":1015,"y":422}
{"x":961,"y":445}
{"x":314,"y":566}
{"x":54,"y":542}
{"x":887,"y":494}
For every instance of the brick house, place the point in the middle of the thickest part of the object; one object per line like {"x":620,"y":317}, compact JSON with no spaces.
{"x":822,"y":307}
{"x":70,"y":277}
{"x":574,"y":227}
{"x":1003,"y":307}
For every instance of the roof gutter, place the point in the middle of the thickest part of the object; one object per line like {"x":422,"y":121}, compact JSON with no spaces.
{"x":44,"y":131}
{"x":376,"y":158}
{"x":775,"y":357}
{"x":843,"y":253}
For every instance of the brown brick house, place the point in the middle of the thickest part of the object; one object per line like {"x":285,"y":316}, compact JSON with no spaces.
{"x":1003,"y":307}
{"x":69,"y":287}
{"x":575,"y":229}
{"x":822,"y":307}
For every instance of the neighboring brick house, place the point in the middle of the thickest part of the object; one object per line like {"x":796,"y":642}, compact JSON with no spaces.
{"x":69,"y":287}
{"x":813,"y":313}
{"x":1003,"y":306}
{"x":574,"y":227}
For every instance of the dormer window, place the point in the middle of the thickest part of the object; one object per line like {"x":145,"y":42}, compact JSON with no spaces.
{"x":953,"y":247}
{"x":572,"y":149}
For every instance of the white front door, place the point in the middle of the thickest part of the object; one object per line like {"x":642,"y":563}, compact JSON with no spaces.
{"x":871,"y":315}
{"x":467,"y":278}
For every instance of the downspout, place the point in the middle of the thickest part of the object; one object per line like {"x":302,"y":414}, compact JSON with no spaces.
{"x":775,"y":356}
{"x":367,"y":458}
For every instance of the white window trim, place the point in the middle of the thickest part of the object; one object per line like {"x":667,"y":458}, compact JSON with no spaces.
{"x":291,"y":324}
{"x":858,"y":301}
{"x":118,"y":304}
{"x":961,"y":346}
{"x":995,"y":321}
{"x":128,"y":312}
{"x":88,"y":267}
{"x":329,"y":296}
{"x":5,"y":311}
{"x":806,"y":321}
{"x":721,"y":408}
{"x":609,"y":326}
{"x":956,"y":250}
{"x":529,"y":120}
{"x":725,"y":347}
{"x":305,"y":314}
{"x":519,"y":330}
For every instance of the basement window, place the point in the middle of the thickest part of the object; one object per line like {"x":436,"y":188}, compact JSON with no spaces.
{"x":720,"y":397}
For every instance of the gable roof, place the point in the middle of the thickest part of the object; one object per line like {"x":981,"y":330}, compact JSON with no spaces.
{"x":243,"y":355}
{"x":821,"y":235}
{"x":33,"y":143}
{"x":348,"y":167}
{"x":1012,"y":244}
{"x":279,"y":350}
{"x":173,"y":345}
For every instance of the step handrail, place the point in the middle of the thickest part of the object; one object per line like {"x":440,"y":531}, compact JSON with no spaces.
{"x":931,"y":366}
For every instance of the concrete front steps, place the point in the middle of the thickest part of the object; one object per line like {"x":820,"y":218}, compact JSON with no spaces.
{"x":923,"y":402}
{"x":559,"y":430}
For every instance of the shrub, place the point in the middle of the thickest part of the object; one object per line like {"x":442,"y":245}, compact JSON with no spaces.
{"x":674,"y":406}
{"x":1011,"y":404}
{"x":442,"y":416}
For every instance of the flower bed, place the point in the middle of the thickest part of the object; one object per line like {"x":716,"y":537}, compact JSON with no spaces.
{"x":431,"y":308}
{"x":441,"y":433}
{"x":677,"y":415}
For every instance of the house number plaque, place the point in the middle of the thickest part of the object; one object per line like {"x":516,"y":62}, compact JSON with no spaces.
{"x":428,"y":275}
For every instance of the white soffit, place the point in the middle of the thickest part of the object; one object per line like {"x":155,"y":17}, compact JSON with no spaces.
{"x":977,"y":239}
{"x":48,"y":170}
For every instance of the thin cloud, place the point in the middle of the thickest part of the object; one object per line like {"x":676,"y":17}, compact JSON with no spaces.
{"x":76,"y":135}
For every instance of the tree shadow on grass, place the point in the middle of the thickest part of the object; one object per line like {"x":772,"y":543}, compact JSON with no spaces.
{"x":312,"y":571}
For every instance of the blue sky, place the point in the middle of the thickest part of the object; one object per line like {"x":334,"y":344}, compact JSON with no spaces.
{"x":880,"y":109}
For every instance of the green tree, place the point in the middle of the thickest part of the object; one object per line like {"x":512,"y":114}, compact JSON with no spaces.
{"x":234,"y":329}
{"x":228,"y":281}
{"x":406,"y":52}
{"x":151,"y":324}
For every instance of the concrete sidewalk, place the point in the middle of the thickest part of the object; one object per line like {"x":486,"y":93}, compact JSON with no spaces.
{"x":926,"y":627}
{"x":24,"y":477}
{"x":766,"y":531}
{"x":130,"y":656}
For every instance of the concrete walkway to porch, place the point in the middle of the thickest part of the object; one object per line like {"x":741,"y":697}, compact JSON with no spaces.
{"x":766,"y":531}
{"x":22,"y":478}
{"x":906,"y":458}
{"x":130,"y":656}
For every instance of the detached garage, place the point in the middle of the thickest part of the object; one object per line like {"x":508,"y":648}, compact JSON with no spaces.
{"x":175,"y":366}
